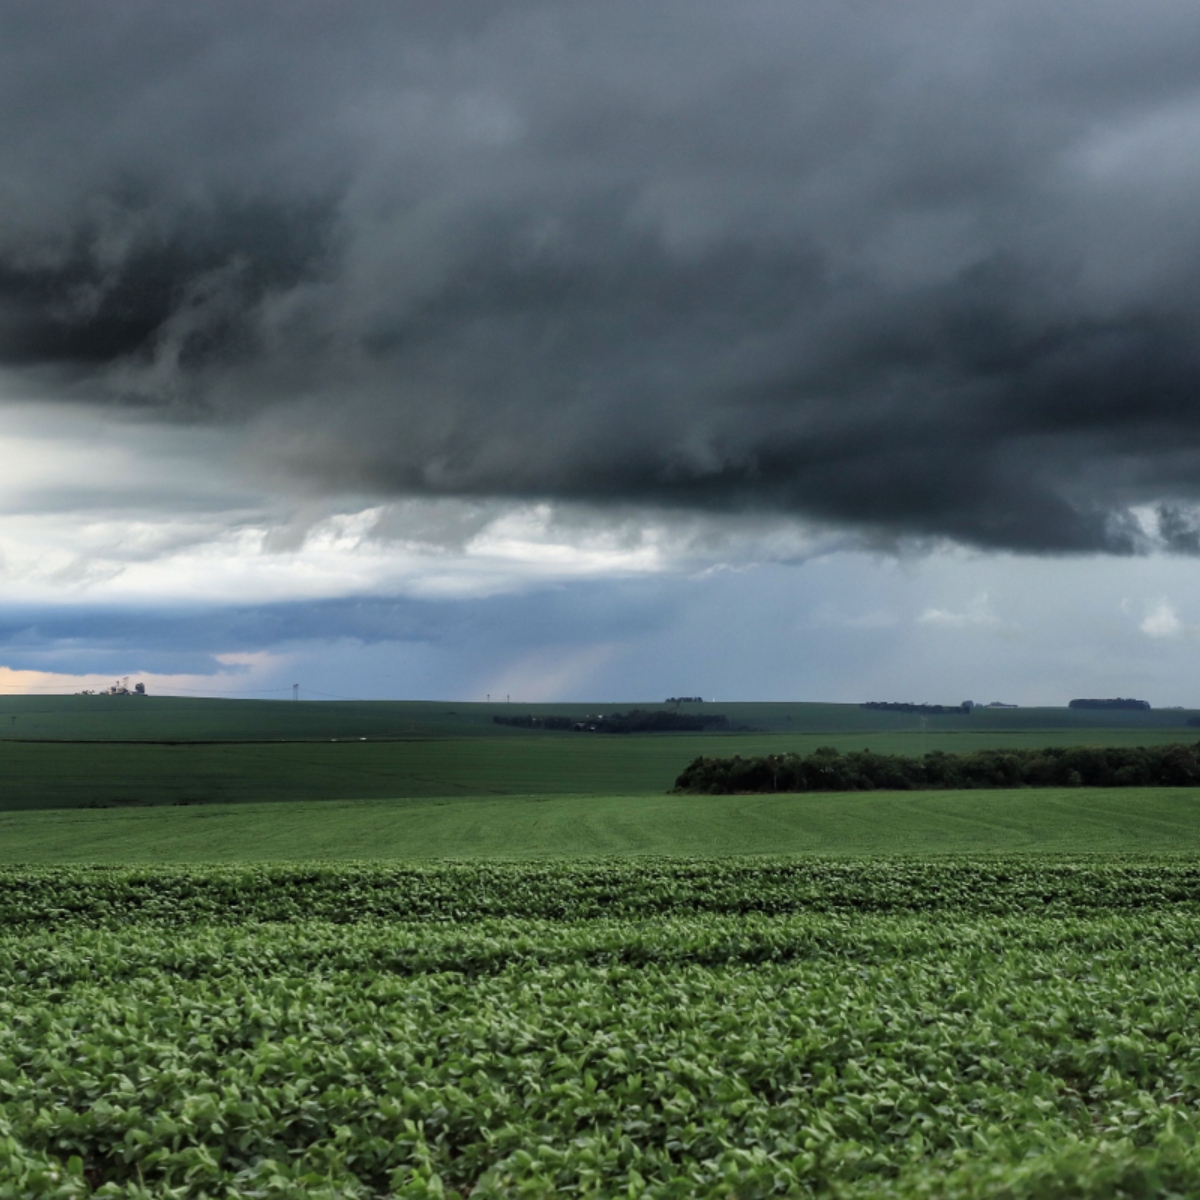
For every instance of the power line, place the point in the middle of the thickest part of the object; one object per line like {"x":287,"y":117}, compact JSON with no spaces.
{"x":219,"y":692}
{"x":330,"y":695}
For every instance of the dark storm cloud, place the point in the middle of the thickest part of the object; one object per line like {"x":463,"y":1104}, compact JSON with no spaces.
{"x":77,"y":309}
{"x":925,"y":270}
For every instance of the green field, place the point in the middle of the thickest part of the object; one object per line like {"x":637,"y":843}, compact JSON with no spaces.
{"x":1046,"y":821}
{"x":657,"y":1028}
{"x":466,"y":786}
{"x":481,"y":759}
{"x":163,"y":718}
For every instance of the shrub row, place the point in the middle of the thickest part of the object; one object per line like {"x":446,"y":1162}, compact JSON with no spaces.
{"x":828,"y":770}
{"x":928,"y":710}
{"x":637,"y":720}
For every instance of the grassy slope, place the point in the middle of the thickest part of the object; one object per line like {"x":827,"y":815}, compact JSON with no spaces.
{"x":71,"y":775}
{"x":1048,"y":821}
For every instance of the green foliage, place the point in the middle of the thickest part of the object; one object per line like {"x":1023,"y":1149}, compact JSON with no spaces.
{"x":664,"y":1029}
{"x":828,"y":770}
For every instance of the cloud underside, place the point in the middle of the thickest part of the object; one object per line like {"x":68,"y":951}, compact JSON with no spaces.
{"x":920,"y":273}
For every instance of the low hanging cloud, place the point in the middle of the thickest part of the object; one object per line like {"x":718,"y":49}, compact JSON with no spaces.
{"x":1162,"y":621}
{"x":916,"y":272}
{"x":977,"y":615}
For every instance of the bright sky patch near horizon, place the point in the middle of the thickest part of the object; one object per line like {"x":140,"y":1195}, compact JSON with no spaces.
{"x":601,"y":352}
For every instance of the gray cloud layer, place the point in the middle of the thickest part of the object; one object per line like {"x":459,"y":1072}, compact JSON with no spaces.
{"x":924,"y":270}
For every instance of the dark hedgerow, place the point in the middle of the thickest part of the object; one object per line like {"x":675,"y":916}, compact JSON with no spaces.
{"x":829,"y":770}
{"x":637,"y":720}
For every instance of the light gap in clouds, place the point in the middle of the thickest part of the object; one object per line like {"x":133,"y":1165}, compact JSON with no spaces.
{"x":122,"y":513}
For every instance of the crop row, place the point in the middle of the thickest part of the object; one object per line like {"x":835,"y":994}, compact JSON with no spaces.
{"x":872,"y":1055}
{"x":628,"y":889}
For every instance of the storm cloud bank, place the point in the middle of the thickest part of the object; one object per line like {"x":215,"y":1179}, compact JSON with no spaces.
{"x":918,"y":271}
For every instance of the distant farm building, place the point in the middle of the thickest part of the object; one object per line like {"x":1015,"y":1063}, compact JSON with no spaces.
{"x":120,"y":688}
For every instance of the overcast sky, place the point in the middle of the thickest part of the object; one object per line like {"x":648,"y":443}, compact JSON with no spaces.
{"x":798,"y":350}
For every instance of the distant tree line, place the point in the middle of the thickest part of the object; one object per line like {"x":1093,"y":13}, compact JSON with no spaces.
{"x":637,"y":720}
{"x":828,"y":770}
{"x":925,"y":710}
{"x":1117,"y":702}
{"x":684,"y":700}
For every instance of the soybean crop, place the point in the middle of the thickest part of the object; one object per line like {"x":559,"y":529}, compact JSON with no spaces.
{"x":665,"y":1028}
